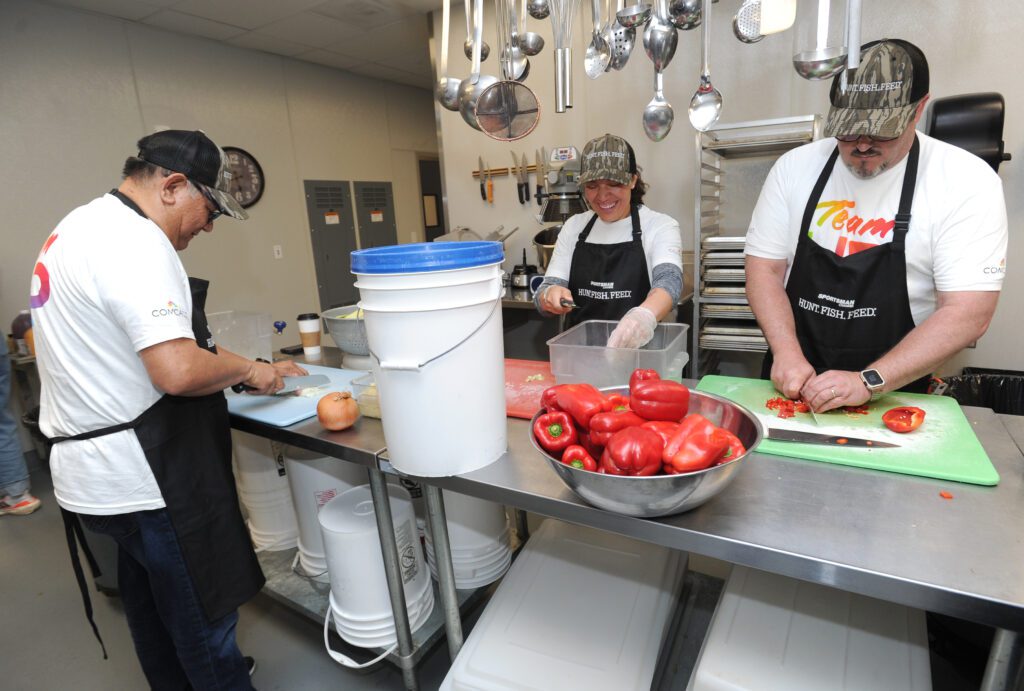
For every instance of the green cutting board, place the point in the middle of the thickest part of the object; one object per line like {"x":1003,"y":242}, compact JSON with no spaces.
{"x":944,"y":447}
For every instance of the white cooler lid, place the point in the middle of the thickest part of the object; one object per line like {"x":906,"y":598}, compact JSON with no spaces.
{"x":352,"y":510}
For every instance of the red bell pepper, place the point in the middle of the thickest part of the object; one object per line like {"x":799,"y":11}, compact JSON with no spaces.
{"x":547,"y":399}
{"x":577,"y":457}
{"x":587,"y":443}
{"x":695,"y":445}
{"x":555,"y":431}
{"x":734,"y":450}
{"x":662,"y":428}
{"x":616,"y":401}
{"x":632,"y":451}
{"x":581,"y":401}
{"x":659,"y":399}
{"x":903,"y":419}
{"x":604,"y":425}
{"x":642,"y":375}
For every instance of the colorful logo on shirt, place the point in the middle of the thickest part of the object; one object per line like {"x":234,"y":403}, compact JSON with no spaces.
{"x":171,"y":309}
{"x":39,"y":292}
{"x":852,"y":233}
{"x":997,"y":270}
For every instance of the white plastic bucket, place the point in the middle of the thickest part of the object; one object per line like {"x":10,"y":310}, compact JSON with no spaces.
{"x":314,"y":480}
{"x":256,"y":468}
{"x":271,"y":520}
{"x":432,"y":313}
{"x":354,"y":562}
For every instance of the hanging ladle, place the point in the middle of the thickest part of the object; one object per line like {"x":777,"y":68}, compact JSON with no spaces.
{"x":538,"y":9}
{"x":530,"y":42}
{"x":598,"y":55}
{"x":660,"y":39}
{"x":467,"y":47}
{"x":621,"y":43}
{"x":472,"y":86}
{"x":446,"y":90}
{"x":684,"y":14}
{"x":635,"y":15}
{"x":706,"y":104}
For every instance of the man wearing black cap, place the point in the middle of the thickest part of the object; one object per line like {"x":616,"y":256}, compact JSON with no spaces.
{"x":132,"y":400}
{"x":866,"y":276}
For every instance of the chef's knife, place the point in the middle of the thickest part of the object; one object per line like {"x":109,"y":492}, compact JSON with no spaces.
{"x":292,"y":384}
{"x":522,"y":187}
{"x":826,"y":439}
{"x":483,"y":183}
{"x":525,"y":172}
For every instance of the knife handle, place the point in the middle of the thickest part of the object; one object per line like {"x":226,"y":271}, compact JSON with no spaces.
{"x":240,"y":387}
{"x":490,"y":191}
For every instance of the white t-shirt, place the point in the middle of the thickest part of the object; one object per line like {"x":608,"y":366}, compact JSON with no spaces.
{"x":660,"y":238}
{"x":958,"y":231}
{"x":107,"y":284}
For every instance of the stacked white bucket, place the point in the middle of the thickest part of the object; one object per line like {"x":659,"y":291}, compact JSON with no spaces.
{"x":359,"y":600}
{"x":263,"y":491}
{"x":479,"y":538}
{"x":315,"y":480}
{"x":432,"y":313}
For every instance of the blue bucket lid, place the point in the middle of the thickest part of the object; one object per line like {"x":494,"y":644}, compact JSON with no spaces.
{"x":422,"y":257}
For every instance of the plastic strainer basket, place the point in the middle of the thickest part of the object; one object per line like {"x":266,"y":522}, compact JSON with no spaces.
{"x":348,"y":334}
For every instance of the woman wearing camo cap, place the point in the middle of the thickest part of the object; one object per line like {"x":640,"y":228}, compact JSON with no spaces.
{"x":619,"y":261}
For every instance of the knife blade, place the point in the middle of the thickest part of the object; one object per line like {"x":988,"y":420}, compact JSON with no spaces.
{"x":538,"y":171}
{"x":483,"y":187}
{"x":802,"y":437}
{"x":293,"y":384}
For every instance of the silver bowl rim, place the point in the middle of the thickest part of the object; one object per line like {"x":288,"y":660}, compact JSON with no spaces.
{"x":654,"y":478}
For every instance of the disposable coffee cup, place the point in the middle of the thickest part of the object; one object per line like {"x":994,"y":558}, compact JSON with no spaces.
{"x":309,"y":332}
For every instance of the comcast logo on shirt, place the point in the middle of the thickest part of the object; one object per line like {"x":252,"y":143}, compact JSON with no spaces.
{"x":170,"y":309}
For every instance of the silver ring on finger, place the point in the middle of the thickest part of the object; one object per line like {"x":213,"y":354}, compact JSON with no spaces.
{"x":834,"y":395}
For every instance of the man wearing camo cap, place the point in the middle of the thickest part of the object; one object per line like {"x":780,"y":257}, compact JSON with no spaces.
{"x":620,"y":261}
{"x":866,"y":276}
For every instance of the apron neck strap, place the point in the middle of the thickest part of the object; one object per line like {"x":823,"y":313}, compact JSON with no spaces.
{"x":906,"y":196}
{"x":634,"y":215}
{"x":819,"y":187}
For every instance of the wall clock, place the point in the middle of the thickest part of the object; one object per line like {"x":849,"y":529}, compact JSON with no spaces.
{"x":247,"y":180}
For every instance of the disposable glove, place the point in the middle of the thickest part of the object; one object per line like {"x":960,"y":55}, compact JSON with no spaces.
{"x":635,"y":329}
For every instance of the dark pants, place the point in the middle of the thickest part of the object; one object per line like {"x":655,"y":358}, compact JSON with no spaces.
{"x":177,"y":647}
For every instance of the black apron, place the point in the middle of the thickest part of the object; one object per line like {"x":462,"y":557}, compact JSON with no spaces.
{"x":849,"y":311}
{"x":187,"y":443}
{"x":606,"y":281}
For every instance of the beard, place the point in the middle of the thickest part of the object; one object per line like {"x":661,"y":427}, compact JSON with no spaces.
{"x":859,"y":162}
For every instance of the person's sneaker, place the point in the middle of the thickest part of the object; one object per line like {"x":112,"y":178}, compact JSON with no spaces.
{"x":250,"y":663}
{"x":25,"y":504}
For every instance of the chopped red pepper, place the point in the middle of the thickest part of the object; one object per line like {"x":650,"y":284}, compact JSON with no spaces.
{"x":577,"y":457}
{"x":555,"y":431}
{"x":604,"y":425}
{"x":659,"y":399}
{"x":616,"y":401}
{"x":640,"y":375}
{"x":663,"y":428}
{"x":852,"y":410}
{"x":632,"y":451}
{"x":695,"y":445}
{"x":786,"y":407}
{"x":903,"y":419}
{"x":946,"y":495}
{"x":581,"y":401}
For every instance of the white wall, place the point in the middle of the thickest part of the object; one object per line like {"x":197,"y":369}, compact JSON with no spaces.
{"x":970,"y":49}
{"x":78,"y":90}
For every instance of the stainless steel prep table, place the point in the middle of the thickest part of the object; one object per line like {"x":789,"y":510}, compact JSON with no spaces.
{"x":880,"y":534}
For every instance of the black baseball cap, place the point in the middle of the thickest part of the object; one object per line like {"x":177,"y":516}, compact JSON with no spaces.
{"x":194,"y":155}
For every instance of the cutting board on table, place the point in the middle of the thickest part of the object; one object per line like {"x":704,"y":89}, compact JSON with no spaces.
{"x":525,"y":381}
{"x":944,"y":447}
{"x":282,"y":411}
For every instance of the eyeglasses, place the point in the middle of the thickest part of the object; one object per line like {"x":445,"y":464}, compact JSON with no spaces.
{"x":214,"y":213}
{"x":849,"y":138}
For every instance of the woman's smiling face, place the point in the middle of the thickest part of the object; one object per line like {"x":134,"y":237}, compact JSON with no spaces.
{"x":609,"y":199}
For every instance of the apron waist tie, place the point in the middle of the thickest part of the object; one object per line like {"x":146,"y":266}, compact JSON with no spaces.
{"x":75,"y":536}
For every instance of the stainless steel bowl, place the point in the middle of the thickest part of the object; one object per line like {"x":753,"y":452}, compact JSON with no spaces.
{"x":348,"y":334}
{"x":664,"y":495}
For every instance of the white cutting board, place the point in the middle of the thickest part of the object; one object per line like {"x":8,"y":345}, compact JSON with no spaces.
{"x":282,"y":411}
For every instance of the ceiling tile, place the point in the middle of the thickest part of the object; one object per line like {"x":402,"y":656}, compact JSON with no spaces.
{"x":364,"y":14}
{"x":391,"y":74}
{"x":194,"y":26}
{"x":269,"y":44}
{"x":125,"y":9}
{"x":250,"y":14}
{"x":416,"y":62}
{"x":384,"y":42}
{"x":326,"y":57}
{"x":308,"y":29}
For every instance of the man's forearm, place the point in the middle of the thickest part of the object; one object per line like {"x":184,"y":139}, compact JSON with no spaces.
{"x":766,"y":293}
{"x":182,"y":368}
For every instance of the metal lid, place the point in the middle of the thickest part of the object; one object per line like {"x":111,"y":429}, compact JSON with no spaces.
{"x":426,"y":256}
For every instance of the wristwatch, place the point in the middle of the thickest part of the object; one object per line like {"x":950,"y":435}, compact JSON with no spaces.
{"x":874,"y":382}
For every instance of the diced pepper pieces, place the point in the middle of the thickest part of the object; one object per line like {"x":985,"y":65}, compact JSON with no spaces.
{"x":555,"y":431}
{"x":604,"y":425}
{"x":659,"y":399}
{"x":632,"y":451}
{"x":577,"y":457}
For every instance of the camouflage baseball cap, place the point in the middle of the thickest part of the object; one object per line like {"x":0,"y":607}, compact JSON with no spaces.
{"x":881,"y":96}
{"x":608,"y":158}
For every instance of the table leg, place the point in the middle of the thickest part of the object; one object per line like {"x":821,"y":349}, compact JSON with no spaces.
{"x":445,"y":570}
{"x":393,"y":571}
{"x":1003,"y":672}
{"x":522,"y":527}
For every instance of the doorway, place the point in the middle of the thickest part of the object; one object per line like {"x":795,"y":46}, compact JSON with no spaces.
{"x":430,"y":189}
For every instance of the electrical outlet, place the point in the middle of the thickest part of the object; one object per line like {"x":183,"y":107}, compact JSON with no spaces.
{"x":278,"y":254}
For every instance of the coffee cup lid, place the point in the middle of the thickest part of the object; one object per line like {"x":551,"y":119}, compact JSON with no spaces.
{"x":307,"y":316}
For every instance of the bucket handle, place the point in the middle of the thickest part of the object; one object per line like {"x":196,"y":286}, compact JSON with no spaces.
{"x":411,"y":367}
{"x":345,"y":659}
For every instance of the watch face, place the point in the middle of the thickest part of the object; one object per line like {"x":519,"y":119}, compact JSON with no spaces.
{"x":246,"y":176}
{"x":872,"y":378}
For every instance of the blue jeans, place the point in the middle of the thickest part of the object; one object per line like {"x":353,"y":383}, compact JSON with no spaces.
{"x":13,"y":471}
{"x":176,"y":646}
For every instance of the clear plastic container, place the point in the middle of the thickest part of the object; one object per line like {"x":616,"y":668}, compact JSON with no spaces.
{"x":247,"y":334}
{"x":364,"y":390}
{"x":581,"y":354}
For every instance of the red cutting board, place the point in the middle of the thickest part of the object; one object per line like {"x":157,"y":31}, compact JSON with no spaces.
{"x":525,"y":381}
{"x":944,"y":447}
